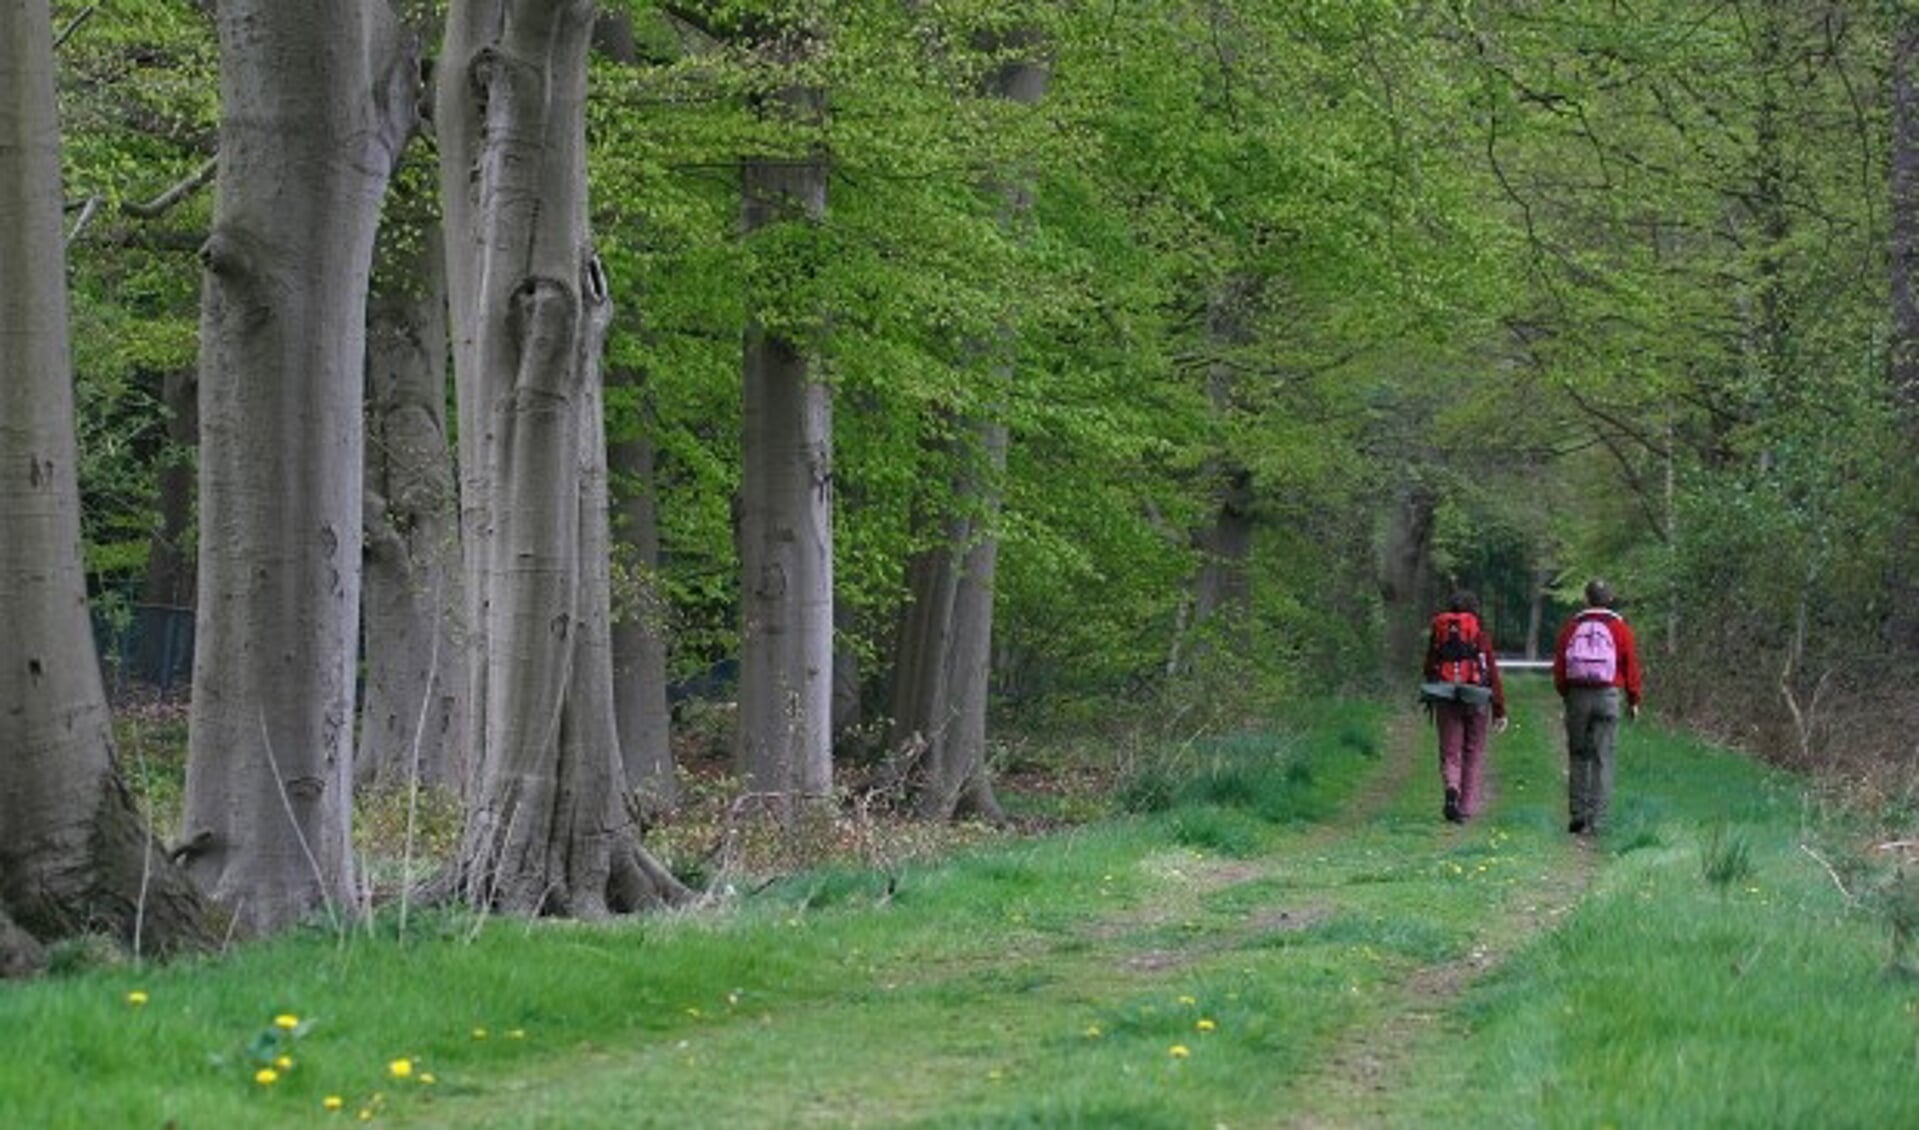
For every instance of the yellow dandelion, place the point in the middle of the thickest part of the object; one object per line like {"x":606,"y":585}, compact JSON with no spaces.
{"x":1189,"y":1000}
{"x":266,"y":1077}
{"x":400,"y":1068}
{"x":1205,"y":1025}
{"x":1093,"y":1032}
{"x":287,"y":1021}
{"x":479,"y":1033}
{"x":516,"y":1033}
{"x":1179,"y":1051}
{"x":366,"y":1115}
{"x":427,"y":1078}
{"x":137,"y":997}
{"x":332,"y":1102}
{"x":284,"y":1063}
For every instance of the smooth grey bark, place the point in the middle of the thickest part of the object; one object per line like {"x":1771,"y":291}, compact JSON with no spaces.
{"x":75,"y":857}
{"x":1902,"y":622}
{"x":848,"y":698}
{"x":548,"y":831}
{"x":413,"y":723}
{"x":1536,"y":609}
{"x":167,"y":589}
{"x":943,"y":654}
{"x":785,"y":531}
{"x":923,"y":647}
{"x":959,"y":784}
{"x":944,"y":658}
{"x":1222,"y":588}
{"x":169,"y":580}
{"x":963,"y":784}
{"x":640,"y":629}
{"x":639,"y":620}
{"x":317,"y":101}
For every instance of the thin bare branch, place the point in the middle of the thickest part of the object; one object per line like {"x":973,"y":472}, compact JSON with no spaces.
{"x":73,"y":25}
{"x":87,"y":210}
{"x":158,"y":206}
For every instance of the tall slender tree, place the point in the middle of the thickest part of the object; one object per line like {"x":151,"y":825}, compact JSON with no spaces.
{"x":945,"y":659}
{"x":1902,"y":625}
{"x":413,"y":724}
{"x":75,"y":856}
{"x":785,"y":521}
{"x":317,"y":102}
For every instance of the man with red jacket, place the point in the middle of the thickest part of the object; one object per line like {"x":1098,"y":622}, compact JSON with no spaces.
{"x":1595,"y":665}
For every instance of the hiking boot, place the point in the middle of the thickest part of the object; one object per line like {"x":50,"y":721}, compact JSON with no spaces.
{"x":1452,"y":806}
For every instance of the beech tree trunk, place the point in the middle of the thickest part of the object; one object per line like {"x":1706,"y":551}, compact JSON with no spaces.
{"x":1405,"y":579}
{"x":1222,"y":589}
{"x":317,"y":101}
{"x":1902,"y":627}
{"x":413,"y":725}
{"x":639,"y":631}
{"x":548,"y":831}
{"x":75,"y":857}
{"x":166,"y":592}
{"x":943,"y":678}
{"x":785,"y":531}
{"x":923,"y":653}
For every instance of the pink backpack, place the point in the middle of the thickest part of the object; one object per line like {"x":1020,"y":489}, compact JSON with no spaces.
{"x":1592,"y":656}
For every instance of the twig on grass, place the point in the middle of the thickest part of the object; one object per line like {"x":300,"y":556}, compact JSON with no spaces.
{"x":1850,"y":900}
{"x":299,"y":834}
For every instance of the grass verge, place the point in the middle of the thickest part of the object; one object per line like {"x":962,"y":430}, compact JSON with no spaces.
{"x":1233,"y":946}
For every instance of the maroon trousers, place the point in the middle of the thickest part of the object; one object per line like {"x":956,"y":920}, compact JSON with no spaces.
{"x":1462,"y":750}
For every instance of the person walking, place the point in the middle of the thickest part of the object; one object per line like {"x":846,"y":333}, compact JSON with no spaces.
{"x":1595,"y":666}
{"x":1461,"y":684}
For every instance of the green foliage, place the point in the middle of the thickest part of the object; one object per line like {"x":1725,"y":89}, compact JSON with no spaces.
{"x":1608,"y":284}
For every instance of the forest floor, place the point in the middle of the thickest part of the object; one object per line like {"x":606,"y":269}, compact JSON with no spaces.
{"x":1291,"y":938}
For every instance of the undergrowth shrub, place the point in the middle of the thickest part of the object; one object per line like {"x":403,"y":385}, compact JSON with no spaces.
{"x":1725,"y":857}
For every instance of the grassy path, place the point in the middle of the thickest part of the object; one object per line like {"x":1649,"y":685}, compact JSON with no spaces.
{"x":1375,"y":1058}
{"x":1315,"y":970}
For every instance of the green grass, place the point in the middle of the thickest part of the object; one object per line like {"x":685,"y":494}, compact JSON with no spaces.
{"x":1275,"y":906}
{"x":1714,"y":976}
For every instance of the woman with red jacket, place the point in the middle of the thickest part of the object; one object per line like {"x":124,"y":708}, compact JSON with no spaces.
{"x":1461,"y":682}
{"x":1595,"y":666}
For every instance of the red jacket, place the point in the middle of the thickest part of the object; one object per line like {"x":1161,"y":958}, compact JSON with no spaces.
{"x":1491,"y":664}
{"x":1625,"y":676}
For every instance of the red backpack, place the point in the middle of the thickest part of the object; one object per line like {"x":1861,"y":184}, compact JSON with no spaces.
{"x":1459,"y":646}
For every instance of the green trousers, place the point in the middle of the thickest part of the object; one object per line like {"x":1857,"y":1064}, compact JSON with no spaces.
{"x":1592,"y":727}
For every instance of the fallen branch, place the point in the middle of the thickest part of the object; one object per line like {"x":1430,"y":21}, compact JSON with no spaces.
{"x":1850,"y":901}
